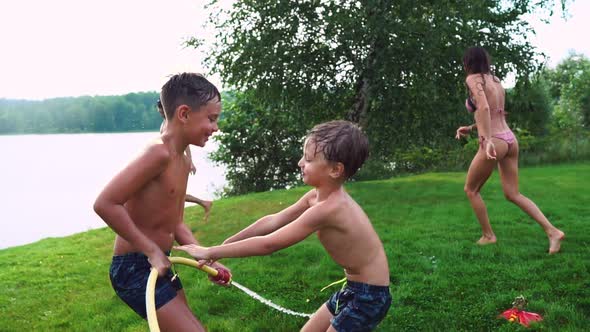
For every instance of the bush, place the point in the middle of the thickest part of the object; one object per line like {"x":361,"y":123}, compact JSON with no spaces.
{"x":554,"y":148}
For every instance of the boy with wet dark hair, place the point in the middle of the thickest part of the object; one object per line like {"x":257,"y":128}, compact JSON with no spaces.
{"x":332,"y":153}
{"x":144,"y":203}
{"x":206,"y":205}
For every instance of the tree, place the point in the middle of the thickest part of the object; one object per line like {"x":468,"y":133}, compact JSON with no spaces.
{"x":529,"y":105}
{"x":392,"y":66}
{"x":260,"y":141}
{"x":563,"y":74}
{"x":570,"y":88}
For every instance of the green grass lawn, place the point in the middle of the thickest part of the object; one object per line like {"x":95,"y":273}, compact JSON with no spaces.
{"x":441,"y":280}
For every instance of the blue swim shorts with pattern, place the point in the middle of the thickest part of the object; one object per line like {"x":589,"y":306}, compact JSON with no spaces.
{"x":129,"y":274}
{"x":359,"y":306}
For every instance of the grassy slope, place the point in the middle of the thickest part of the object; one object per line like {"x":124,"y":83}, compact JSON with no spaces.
{"x":440,"y":279}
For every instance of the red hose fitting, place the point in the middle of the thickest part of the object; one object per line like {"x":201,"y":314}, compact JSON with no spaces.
{"x":223,"y":276}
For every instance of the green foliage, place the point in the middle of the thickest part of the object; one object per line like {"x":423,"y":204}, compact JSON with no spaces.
{"x":570,"y":88}
{"x":525,"y":139}
{"x":562,"y":75}
{"x":428,"y":230}
{"x":130,"y":112}
{"x":575,"y":97}
{"x":393,"y":66}
{"x":556,"y":148}
{"x":529,"y":105}
{"x":258,"y":158}
{"x":419,"y":159}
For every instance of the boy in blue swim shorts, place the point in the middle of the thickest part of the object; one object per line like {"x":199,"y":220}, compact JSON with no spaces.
{"x":144,"y":203}
{"x":332,"y":153}
{"x":129,"y":275}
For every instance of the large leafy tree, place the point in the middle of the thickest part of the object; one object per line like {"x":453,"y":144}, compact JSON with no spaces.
{"x":569,"y":85}
{"x":529,"y":105}
{"x":392,"y":66}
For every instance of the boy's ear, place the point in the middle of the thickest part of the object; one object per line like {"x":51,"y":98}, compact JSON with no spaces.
{"x":337,"y":170}
{"x":182,"y":112}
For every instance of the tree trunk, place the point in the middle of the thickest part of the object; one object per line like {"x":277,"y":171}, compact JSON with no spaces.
{"x":362,"y":99}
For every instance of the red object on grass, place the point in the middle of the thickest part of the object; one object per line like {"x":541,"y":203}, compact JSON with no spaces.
{"x":521,"y":316}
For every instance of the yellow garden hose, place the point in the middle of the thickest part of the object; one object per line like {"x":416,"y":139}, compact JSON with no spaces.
{"x":150,"y":300}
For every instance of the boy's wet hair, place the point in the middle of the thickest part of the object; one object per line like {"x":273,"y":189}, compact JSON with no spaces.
{"x":160,"y":108}
{"x":190,"y":89}
{"x":341,"y":141}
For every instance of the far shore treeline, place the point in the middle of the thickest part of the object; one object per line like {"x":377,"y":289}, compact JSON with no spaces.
{"x":86,"y":114}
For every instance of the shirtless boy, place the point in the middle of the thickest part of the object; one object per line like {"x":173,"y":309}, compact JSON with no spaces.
{"x":332,"y":153}
{"x":144,"y":203}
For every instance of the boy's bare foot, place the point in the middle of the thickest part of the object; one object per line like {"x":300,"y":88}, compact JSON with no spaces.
{"x":207,"y":206}
{"x":555,"y":239}
{"x":486,"y":240}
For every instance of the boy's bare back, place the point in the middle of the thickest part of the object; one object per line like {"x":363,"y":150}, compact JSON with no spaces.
{"x":332,"y":153}
{"x":341,"y":225}
{"x":350,"y":239}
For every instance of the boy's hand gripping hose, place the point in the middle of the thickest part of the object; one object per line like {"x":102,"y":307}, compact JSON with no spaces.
{"x":221,"y":276}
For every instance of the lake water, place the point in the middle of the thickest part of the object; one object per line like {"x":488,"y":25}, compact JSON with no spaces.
{"x":48,"y":183}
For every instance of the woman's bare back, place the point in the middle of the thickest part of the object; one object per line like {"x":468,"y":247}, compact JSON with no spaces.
{"x":496,"y":98}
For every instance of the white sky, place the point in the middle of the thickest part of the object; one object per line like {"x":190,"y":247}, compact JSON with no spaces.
{"x":560,"y":36}
{"x":101,"y":47}
{"x":63,"y":48}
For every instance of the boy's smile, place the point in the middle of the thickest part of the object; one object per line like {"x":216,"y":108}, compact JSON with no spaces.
{"x":313,"y":165}
{"x":203,"y":122}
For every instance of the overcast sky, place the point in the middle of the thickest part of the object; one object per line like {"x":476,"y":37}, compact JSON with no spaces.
{"x":64,"y":48}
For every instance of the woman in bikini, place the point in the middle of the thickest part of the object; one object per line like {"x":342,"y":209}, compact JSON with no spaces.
{"x":498,"y":146}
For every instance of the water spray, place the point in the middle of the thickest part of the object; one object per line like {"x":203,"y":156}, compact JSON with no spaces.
{"x":217,"y":275}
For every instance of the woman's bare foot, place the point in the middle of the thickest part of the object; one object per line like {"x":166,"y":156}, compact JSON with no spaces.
{"x":486,"y":240}
{"x":555,"y":239}
{"x":207,"y":206}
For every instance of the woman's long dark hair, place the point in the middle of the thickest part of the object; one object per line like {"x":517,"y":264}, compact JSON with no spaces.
{"x":476,"y":60}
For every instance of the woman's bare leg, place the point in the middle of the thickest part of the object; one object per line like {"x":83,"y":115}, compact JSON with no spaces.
{"x":203,"y":203}
{"x":479,"y":171}
{"x":319,"y":321}
{"x":509,"y":175}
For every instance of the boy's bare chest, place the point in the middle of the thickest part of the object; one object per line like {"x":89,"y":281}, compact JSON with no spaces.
{"x":174,"y":179}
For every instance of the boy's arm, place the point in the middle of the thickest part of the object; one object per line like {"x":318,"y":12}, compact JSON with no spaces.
{"x":309,"y":222}
{"x":183,"y":235}
{"x":190,"y":157}
{"x":270,"y":223}
{"x":109,"y":203}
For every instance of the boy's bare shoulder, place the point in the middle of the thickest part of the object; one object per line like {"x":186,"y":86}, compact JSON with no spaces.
{"x":335,"y":204}
{"x":157,"y":151}
{"x":310,"y":196}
